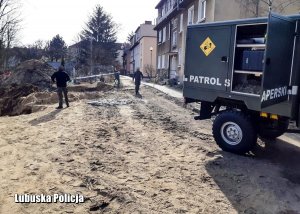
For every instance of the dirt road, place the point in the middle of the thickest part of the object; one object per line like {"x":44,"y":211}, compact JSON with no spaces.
{"x":133,"y":155}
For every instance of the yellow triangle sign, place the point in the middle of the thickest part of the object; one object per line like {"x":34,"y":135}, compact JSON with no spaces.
{"x":207,"y":46}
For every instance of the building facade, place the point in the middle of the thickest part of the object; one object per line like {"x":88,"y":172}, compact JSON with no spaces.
{"x":143,"y":49}
{"x":175,"y":15}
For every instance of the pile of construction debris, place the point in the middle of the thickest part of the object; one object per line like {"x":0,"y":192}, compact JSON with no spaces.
{"x":29,"y":87}
{"x":33,"y":72}
{"x":29,"y":77}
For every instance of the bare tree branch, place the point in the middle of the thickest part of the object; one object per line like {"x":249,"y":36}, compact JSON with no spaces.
{"x":9,"y":26}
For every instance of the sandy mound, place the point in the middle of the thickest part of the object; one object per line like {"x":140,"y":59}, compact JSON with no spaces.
{"x":11,"y":99}
{"x":32,"y":72}
{"x":26,"y":99}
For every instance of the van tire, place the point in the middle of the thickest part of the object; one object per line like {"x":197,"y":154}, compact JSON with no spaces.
{"x":234,"y":132}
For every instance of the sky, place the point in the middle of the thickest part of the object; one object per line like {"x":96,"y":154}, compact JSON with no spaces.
{"x":43,"y":19}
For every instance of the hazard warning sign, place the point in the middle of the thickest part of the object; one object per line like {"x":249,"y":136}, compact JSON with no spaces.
{"x":207,"y":46}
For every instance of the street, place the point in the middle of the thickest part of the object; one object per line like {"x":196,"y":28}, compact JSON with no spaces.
{"x":126,"y":154}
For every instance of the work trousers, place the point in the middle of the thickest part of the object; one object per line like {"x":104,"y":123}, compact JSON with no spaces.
{"x":62,"y":91}
{"x":137,"y":88}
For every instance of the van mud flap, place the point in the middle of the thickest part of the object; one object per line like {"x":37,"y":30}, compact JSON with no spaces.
{"x":205,"y":111}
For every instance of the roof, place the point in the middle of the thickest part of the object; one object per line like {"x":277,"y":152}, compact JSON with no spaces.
{"x":159,"y":4}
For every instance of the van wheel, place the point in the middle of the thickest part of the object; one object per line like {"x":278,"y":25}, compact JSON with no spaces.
{"x":234,"y":132}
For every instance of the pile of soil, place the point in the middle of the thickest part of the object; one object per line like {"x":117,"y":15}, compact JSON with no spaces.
{"x":26,"y":99}
{"x":11,"y":99}
{"x":34,"y":72}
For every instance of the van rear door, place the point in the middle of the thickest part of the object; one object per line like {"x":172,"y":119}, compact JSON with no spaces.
{"x":278,"y":60}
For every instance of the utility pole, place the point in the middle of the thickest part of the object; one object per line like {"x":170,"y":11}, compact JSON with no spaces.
{"x":151,"y":50}
{"x":151,"y":67}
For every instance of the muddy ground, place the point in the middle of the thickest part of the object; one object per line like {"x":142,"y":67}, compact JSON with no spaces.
{"x":139,"y":155}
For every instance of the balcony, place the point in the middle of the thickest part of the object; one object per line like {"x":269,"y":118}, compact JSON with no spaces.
{"x":160,"y":19}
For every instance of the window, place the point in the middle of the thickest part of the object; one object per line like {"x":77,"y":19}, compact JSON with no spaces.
{"x":181,"y":23}
{"x":159,"y":62}
{"x":201,"y":10}
{"x":174,"y":39}
{"x":163,"y":11}
{"x":167,"y":61}
{"x":174,"y":23}
{"x":164,"y":34}
{"x":170,"y":30}
{"x":159,"y":12}
{"x":191,"y":15}
{"x":137,"y":36}
{"x":159,"y":36}
{"x":163,"y":61}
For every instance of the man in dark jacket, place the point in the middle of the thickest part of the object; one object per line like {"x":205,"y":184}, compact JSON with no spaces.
{"x":61,"y":78}
{"x":137,"y":77}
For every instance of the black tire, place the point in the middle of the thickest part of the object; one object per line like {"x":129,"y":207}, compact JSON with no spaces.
{"x":270,"y":131}
{"x":234,"y":132}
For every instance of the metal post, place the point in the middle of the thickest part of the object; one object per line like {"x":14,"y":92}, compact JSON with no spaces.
{"x":151,"y":66}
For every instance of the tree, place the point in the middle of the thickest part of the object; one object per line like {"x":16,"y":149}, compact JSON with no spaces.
{"x":130,"y":35}
{"x":9,"y":26}
{"x":35,"y":50}
{"x":56,"y":48}
{"x":99,"y":38}
{"x":32,"y":51}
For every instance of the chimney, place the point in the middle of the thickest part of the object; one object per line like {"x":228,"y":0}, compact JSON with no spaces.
{"x":148,"y":22}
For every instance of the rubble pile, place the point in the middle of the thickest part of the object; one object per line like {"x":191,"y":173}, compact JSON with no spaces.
{"x":28,"y":89}
{"x":32,"y":72}
{"x":250,"y":87}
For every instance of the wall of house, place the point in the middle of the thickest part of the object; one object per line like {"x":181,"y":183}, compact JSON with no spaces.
{"x":210,"y":13}
{"x":210,"y":10}
{"x":283,"y":7}
{"x":147,"y":30}
{"x":137,"y":57}
{"x":146,"y":43}
{"x":163,"y":48}
{"x":228,"y":10}
{"x":144,"y":38}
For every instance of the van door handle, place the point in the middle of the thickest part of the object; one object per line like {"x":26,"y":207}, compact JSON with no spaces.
{"x":224,"y":59}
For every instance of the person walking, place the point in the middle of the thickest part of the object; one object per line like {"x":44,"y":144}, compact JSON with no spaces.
{"x":137,"y":78}
{"x":61,"y":78}
{"x":117,"y":78}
